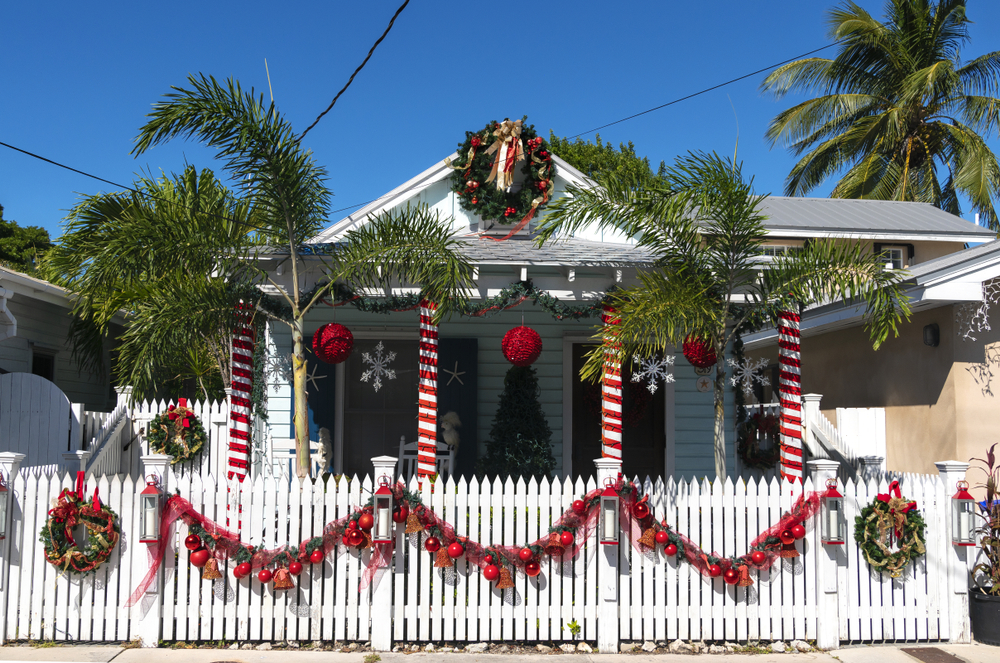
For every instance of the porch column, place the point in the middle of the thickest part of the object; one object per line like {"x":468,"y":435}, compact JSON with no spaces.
{"x":427,"y":392}
{"x":607,"y":571}
{"x":611,"y":391}
{"x":790,"y":395}
{"x":10,"y":465}
{"x":147,"y":615}
{"x":240,"y":402}
{"x":955,"y":562}
{"x":385,"y":466}
{"x":827,"y":556}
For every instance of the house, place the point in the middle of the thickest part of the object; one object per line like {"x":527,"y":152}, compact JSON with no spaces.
{"x":35,"y":318}
{"x":668,"y":431}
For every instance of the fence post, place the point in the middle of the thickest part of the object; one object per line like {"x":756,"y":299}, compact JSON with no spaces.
{"x":10,"y":465}
{"x":382,"y":586}
{"x":810,"y":413}
{"x":955,"y":557}
{"x":150,"y":620}
{"x":827,"y":603}
{"x":76,"y":461}
{"x":607,"y":572}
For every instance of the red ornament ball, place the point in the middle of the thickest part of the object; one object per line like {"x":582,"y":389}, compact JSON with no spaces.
{"x":352,"y":524}
{"x":787,"y":537}
{"x":456,"y":550}
{"x":566,"y":538}
{"x":758,"y":557}
{"x":295,"y":568}
{"x":488,"y":559}
{"x":699,"y":352}
{"x":661,"y":536}
{"x":264,"y":576}
{"x":532,"y":568}
{"x":731,"y":576}
{"x":579,"y":507}
{"x":670,"y":550}
{"x":526,"y":554}
{"x":192,"y":542}
{"x":200,"y":557}
{"x":521,"y":346}
{"x":798,"y":531}
{"x":366,"y":521}
{"x":432,"y":544}
{"x":333,"y":343}
{"x":243,"y":569}
{"x":714,"y":570}
{"x":317,"y":556}
{"x":355,"y":537}
{"x":491,"y":572}
{"x":640,"y":510}
{"x":400,"y":514}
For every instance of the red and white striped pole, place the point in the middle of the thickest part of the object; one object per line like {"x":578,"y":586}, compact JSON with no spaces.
{"x":240,"y":403}
{"x":428,"y":388}
{"x":790,"y":395}
{"x":611,"y":390}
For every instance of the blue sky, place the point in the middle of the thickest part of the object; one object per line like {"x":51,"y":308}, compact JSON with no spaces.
{"x":79,"y":78}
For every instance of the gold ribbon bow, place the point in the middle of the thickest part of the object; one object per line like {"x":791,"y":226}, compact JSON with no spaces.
{"x":509,"y":151}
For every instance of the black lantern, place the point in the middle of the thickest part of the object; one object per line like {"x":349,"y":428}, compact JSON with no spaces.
{"x":834,"y":525}
{"x":149,"y":507}
{"x":382,"y":530}
{"x":609,"y":513}
{"x":963,"y":513}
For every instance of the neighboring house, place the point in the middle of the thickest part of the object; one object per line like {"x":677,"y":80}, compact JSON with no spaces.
{"x":35,"y":317}
{"x":669,"y":432}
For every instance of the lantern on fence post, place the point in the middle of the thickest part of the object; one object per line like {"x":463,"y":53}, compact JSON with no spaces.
{"x":962,"y":513}
{"x":834,"y":526}
{"x":609,"y":513}
{"x":4,"y":497}
{"x":149,"y":507}
{"x":382,"y":531}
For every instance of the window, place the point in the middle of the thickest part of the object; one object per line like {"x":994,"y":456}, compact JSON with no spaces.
{"x":894,"y":256}
{"x":43,"y":365}
{"x":775,"y":250}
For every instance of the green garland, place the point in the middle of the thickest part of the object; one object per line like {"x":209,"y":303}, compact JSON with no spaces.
{"x":473,"y":166}
{"x":102,"y":534}
{"x":872,"y":530}
{"x":168,"y":435}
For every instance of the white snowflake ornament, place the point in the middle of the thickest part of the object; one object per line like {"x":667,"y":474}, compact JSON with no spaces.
{"x":379,"y":366}
{"x":278,"y":370}
{"x":653,"y":369}
{"x":745,"y":373}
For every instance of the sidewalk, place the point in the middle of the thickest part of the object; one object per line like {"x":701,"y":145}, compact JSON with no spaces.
{"x":974,"y":653}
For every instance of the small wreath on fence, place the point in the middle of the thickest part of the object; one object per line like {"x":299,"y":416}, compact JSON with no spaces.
{"x":102,"y":532}
{"x":752,"y":431}
{"x":176,"y":432}
{"x":888,"y":517}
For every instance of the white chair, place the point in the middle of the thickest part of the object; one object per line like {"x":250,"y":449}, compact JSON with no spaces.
{"x":406,"y":466}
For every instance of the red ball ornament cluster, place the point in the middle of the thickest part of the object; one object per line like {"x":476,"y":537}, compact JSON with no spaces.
{"x":522,"y":346}
{"x":333,"y":343}
{"x":699,"y":352}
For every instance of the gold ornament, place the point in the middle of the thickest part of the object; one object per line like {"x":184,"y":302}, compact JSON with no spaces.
{"x":505,"y":581}
{"x":648,"y":538}
{"x":211,"y":570}
{"x":554,"y":547}
{"x":413,"y":524}
{"x":443,"y":560}
{"x":283,"y":580}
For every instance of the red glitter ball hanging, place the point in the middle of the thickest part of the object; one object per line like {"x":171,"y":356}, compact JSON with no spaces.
{"x":699,"y":352}
{"x":521,"y":346}
{"x":333,"y":343}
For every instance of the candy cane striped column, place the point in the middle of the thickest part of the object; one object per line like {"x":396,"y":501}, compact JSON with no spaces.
{"x":611,"y":391}
{"x":427,"y":398}
{"x":790,"y":395}
{"x":240,"y":404}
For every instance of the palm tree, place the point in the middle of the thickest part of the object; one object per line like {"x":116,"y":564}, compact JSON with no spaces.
{"x":702,"y":223}
{"x":287,"y":190}
{"x":899,"y":112}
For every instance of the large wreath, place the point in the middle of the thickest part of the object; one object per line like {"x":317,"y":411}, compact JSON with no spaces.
{"x":890,"y":516}
{"x":483,"y":187}
{"x":176,"y":432}
{"x":102,"y":534}
{"x":751,"y":432}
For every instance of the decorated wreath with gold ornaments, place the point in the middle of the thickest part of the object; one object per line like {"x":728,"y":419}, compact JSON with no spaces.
{"x":176,"y":432}
{"x":887,"y":520}
{"x":484,"y":172}
{"x":759,"y":426}
{"x":101,"y":532}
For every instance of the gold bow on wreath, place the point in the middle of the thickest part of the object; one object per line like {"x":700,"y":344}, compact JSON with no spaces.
{"x":509,"y":151}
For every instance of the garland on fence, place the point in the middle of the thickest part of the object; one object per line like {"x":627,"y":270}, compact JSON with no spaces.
{"x":70,"y":510}
{"x":564,"y":540}
{"x":176,"y":432}
{"x":890,"y":515}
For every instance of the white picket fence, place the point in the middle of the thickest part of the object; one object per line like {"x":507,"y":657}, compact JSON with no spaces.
{"x":653,"y":597}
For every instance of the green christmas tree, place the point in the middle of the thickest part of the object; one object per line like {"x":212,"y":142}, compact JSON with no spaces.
{"x":520,"y":439}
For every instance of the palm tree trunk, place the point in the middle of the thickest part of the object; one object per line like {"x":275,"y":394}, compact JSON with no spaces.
{"x":720,"y":416}
{"x":300,"y":418}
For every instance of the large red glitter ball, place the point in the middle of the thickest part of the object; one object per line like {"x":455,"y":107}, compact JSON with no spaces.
{"x":521,"y":346}
{"x":699,"y":352}
{"x":332,"y":343}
